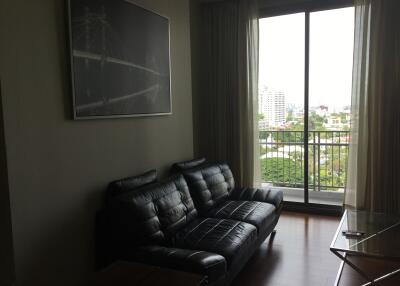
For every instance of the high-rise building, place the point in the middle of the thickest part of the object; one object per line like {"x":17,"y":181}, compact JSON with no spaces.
{"x":272,"y":106}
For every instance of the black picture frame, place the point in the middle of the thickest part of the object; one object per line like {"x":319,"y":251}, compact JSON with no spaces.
{"x":120,"y":60}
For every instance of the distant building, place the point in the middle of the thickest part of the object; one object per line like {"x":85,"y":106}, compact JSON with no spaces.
{"x":335,"y":123}
{"x":272,"y":105}
{"x":322,"y":110}
{"x":347,"y":109}
{"x":263,"y":125}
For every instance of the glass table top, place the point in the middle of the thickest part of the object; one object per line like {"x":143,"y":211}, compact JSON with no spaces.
{"x":381,"y":236}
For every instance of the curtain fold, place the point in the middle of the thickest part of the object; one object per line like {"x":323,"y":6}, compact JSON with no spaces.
{"x":358,"y":149}
{"x":248,"y":93}
{"x":229,"y":104}
{"x":374,"y":160}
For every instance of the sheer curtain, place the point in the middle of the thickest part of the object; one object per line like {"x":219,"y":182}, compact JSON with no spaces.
{"x":358,"y":150}
{"x":373,"y":181}
{"x":248,"y":93}
{"x":229,"y":101}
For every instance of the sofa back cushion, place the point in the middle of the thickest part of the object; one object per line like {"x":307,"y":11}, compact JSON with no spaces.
{"x":209,"y":185}
{"x":186,"y":165}
{"x":124,"y":185}
{"x":152,"y":214}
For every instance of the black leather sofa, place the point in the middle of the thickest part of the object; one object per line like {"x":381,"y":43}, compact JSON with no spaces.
{"x":195,"y":221}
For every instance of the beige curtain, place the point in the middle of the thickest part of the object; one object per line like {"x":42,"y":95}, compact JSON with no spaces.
{"x":374,"y":160}
{"x":358,"y":150}
{"x":250,"y":164}
{"x":229,"y":101}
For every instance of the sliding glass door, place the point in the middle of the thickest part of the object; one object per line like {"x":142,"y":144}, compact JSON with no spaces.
{"x":331,"y":63}
{"x":305,"y":79}
{"x":281,"y":103}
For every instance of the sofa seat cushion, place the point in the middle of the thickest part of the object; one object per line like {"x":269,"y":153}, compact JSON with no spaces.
{"x":271,"y":196}
{"x":258,"y":214}
{"x":229,"y":238}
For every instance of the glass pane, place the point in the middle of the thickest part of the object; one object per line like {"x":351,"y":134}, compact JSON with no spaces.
{"x":380,"y":234}
{"x":281,"y":104}
{"x":331,"y":62}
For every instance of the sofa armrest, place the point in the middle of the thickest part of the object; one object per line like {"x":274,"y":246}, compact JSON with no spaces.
{"x":206,"y":263}
{"x":274,"y":197}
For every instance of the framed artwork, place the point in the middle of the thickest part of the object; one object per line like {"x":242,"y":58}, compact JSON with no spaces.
{"x":120,"y":60}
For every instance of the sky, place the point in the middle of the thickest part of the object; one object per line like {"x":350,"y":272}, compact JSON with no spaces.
{"x":281,"y":62}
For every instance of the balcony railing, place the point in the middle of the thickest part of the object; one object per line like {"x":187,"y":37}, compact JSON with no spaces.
{"x":282,"y":159}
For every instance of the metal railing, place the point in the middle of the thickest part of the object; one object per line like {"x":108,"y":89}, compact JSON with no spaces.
{"x":282,"y":158}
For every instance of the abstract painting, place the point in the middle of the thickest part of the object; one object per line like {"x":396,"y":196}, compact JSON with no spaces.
{"x":120,"y":60}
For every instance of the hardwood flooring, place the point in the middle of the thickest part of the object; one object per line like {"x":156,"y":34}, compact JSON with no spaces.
{"x":299,"y":255}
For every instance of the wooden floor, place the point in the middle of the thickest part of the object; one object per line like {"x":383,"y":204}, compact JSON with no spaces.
{"x":299,"y":255}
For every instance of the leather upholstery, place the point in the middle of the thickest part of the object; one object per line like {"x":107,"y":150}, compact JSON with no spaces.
{"x":211,"y":264}
{"x":274,"y":197}
{"x":256,"y":213}
{"x":228,"y":238}
{"x":185,"y":165}
{"x":158,"y":223}
{"x":155,"y":212}
{"x":209,"y":185}
{"x":128,"y":184}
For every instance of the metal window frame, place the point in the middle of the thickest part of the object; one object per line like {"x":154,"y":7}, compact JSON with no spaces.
{"x":306,"y":7}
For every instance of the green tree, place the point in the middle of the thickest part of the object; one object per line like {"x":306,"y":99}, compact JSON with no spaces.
{"x":289,"y":116}
{"x":282,"y":171}
{"x":316,"y":122}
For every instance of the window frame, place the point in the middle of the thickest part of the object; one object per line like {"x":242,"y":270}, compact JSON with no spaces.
{"x":306,"y":7}
{"x":276,"y":9}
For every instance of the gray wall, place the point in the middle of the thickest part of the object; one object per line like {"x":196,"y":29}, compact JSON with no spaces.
{"x":6,"y":246}
{"x":197,"y":57}
{"x":58,"y":168}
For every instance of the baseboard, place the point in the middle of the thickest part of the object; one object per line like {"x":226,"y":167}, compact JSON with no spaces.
{"x":313,"y":208}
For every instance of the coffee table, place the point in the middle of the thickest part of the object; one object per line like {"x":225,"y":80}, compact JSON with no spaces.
{"x":381,"y":239}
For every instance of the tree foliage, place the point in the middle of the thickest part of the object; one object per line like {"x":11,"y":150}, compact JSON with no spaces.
{"x":326,"y":168}
{"x":283,"y":171}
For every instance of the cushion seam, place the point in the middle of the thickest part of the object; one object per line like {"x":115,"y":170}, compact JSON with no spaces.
{"x":237,"y":208}
{"x":197,"y":226}
{"x":258,"y":204}
{"x":198,"y":241}
{"x":232,"y":228}
{"x":223,"y":207}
